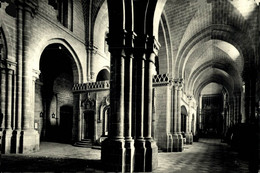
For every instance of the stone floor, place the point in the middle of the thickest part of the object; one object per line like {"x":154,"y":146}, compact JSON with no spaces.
{"x":207,"y":155}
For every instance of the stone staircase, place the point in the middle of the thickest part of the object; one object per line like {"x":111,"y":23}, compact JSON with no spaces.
{"x":86,"y":143}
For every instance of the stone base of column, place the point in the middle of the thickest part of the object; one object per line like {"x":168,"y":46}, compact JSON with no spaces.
{"x":151,"y":156}
{"x":180,"y":143}
{"x":169,"y":143}
{"x":129,"y":156}
{"x":6,"y":141}
{"x":30,"y":141}
{"x":113,"y":155}
{"x":175,"y":139}
{"x":140,"y":152}
{"x":16,"y":141}
{"x":188,"y":138}
{"x":191,"y":138}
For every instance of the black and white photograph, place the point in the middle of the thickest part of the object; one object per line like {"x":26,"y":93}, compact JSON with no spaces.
{"x":162,"y":86}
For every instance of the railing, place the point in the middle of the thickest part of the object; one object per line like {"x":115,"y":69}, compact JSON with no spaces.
{"x":99,"y":85}
{"x":161,"y":79}
{"x":158,"y":80}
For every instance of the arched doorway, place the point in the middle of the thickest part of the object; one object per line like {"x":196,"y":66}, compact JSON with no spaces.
{"x":89,"y":124}
{"x":54,"y":92}
{"x":183,"y":118}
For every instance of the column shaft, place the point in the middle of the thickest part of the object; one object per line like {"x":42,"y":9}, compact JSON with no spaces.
{"x":148,"y":96}
{"x":3,"y":95}
{"x":26,"y":113}
{"x":139,"y":76}
{"x":9,"y":99}
{"x":19,"y":68}
{"x":117,"y":96}
{"x":128,"y":94}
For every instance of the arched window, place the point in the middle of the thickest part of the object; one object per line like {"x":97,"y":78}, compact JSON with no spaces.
{"x":103,"y":75}
{"x":64,"y":12}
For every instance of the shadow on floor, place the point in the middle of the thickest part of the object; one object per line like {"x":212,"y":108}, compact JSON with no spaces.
{"x":45,"y":164}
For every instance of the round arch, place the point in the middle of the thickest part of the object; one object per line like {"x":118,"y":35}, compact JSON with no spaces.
{"x":184,"y":117}
{"x":78,"y":71}
{"x":7,"y":40}
{"x":103,"y":75}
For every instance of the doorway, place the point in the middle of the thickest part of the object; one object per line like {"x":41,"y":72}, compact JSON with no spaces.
{"x":66,"y":114}
{"x":89,"y":124}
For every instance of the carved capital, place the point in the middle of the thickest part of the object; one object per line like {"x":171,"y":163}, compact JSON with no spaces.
{"x":130,"y":37}
{"x":116,"y":40}
{"x":189,"y":97}
{"x":30,"y":6}
{"x":178,"y":83}
{"x":153,"y":45}
{"x":36,"y":74}
{"x":6,"y":63}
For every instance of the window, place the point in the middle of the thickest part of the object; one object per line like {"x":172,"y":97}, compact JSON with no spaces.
{"x":64,"y":12}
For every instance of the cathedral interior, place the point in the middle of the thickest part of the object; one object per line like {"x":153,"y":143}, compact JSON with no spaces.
{"x":133,"y":78}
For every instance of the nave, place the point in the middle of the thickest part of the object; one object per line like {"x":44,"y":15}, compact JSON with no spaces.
{"x":207,"y":155}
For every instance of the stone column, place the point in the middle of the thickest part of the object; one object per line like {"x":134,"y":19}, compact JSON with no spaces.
{"x":113,"y":148}
{"x":7,"y":133}
{"x":179,"y":91}
{"x":129,"y":142}
{"x":18,"y":112}
{"x":8,"y":77}
{"x":175,"y":118}
{"x":140,"y":149}
{"x":151,"y":159}
{"x":3,"y":95}
{"x":189,"y":136}
{"x":29,"y":137}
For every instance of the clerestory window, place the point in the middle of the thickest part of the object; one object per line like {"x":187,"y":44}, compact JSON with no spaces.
{"x":64,"y":10}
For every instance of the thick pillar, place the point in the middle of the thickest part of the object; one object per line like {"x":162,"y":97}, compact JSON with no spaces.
{"x":113,"y":148}
{"x":29,"y":137}
{"x":140,"y":149}
{"x":151,"y":159}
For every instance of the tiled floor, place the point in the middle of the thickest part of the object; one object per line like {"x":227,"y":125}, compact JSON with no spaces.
{"x":208,"y":155}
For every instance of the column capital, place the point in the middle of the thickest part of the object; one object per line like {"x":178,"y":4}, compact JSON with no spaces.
{"x":8,"y":64}
{"x":153,"y":45}
{"x":130,"y":38}
{"x":189,"y":97}
{"x":90,"y":46}
{"x":140,"y":46}
{"x":29,"y":5}
{"x":36,"y":74}
{"x":178,"y":83}
{"x":116,"y":40}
